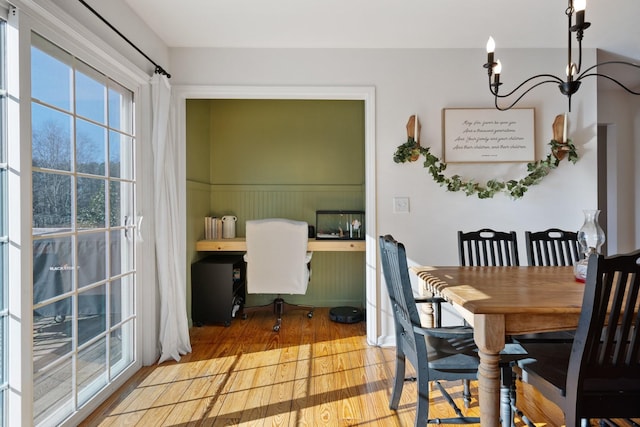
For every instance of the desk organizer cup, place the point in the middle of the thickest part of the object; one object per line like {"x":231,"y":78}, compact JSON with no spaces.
{"x":229,"y":226}
{"x":340,"y":225}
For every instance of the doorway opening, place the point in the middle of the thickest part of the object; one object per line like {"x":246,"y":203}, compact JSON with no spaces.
{"x":366,"y":94}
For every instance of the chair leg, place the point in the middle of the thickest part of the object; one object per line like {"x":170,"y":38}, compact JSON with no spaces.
{"x":466,"y":393}
{"x":398,"y":382}
{"x":506,"y":384}
{"x":422,"y":406}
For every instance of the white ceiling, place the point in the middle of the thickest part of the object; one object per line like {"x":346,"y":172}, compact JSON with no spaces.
{"x":388,"y":23}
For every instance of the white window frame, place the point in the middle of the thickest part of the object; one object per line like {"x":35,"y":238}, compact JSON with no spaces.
{"x":4,"y":238}
{"x":48,"y":20}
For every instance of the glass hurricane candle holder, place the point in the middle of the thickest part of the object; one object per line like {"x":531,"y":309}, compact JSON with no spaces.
{"x":590,"y":238}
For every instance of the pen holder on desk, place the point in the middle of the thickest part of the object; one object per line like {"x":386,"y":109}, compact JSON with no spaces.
{"x":229,"y":226}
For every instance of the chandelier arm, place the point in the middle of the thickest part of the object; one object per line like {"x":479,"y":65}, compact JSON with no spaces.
{"x":611,"y":79}
{"x":523,"y":94}
{"x":584,"y":73}
{"x":555,"y":80}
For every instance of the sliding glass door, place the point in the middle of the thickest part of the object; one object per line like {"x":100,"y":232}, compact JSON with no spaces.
{"x":83,"y":199}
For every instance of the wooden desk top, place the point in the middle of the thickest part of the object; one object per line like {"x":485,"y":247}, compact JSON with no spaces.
{"x":239,"y":244}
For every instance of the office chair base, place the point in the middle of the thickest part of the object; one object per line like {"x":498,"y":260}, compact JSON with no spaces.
{"x":279,"y":305}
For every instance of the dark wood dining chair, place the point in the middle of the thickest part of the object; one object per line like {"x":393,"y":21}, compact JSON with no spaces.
{"x":487,"y":247}
{"x":598,"y":376}
{"x":552,"y":247}
{"x":446,"y":353}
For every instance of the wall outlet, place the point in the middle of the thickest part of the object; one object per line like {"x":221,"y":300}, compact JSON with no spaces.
{"x":400,"y":205}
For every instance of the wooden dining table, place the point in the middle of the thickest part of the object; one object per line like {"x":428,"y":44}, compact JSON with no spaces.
{"x":501,"y":301}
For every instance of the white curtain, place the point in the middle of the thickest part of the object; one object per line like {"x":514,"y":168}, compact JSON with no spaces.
{"x":174,"y":327}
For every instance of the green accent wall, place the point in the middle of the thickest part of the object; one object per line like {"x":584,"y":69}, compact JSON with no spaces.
{"x":287,"y":142}
{"x":279,"y":158}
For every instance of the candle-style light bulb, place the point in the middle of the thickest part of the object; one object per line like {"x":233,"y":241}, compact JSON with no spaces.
{"x":491,"y":48}
{"x":497,"y":69}
{"x":571,"y":69}
{"x":579,"y":6}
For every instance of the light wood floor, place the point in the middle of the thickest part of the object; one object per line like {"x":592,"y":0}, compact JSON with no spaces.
{"x":314,"y":372}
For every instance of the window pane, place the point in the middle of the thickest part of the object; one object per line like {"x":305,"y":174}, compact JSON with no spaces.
{"x":115,"y":215}
{"x":51,"y":203}
{"x":52,"y":333}
{"x":120,"y":101}
{"x":51,"y":74}
{"x":90,"y":98}
{"x":121,"y":299}
{"x":91,"y":155}
{"x":121,"y":252}
{"x":51,"y":138}
{"x":121,"y":346}
{"x":92,"y":370}
{"x":91,"y":314}
{"x":120,"y":156}
{"x":92,"y":258}
{"x":53,"y":392}
{"x":91,"y":203}
{"x":120,"y":197}
{"x":53,"y":268}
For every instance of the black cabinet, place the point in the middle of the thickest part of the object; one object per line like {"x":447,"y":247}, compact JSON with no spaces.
{"x":217,"y":286}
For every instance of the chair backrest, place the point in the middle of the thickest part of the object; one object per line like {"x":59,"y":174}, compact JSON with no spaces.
{"x":604,"y":367}
{"x":277,"y":256}
{"x":489,"y":248}
{"x":552,"y":247}
{"x":393,"y":258}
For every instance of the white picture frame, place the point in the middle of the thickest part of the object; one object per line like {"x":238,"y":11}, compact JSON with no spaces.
{"x":487,"y":135}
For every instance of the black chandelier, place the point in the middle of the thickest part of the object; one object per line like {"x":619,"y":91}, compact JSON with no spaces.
{"x":574,"y":77}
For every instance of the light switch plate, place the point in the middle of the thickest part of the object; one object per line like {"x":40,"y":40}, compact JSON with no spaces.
{"x":400,"y":205}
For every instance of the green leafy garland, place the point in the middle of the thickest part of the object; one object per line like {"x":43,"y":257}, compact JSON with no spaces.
{"x":410,"y":151}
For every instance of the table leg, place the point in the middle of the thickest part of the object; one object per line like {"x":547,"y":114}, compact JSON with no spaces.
{"x":426,"y":309}
{"x":489,"y":337}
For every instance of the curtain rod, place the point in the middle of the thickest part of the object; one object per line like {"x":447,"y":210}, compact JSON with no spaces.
{"x":158,"y":70}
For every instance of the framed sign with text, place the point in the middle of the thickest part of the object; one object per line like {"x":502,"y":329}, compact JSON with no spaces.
{"x":472,"y":135}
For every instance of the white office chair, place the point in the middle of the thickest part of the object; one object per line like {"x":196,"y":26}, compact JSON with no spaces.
{"x":277,"y":262}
